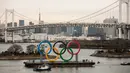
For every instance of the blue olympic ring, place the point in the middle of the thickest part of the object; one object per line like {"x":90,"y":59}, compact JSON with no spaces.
{"x":45,"y":41}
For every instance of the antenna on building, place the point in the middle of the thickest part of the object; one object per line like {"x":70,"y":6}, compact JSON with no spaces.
{"x":39,"y":16}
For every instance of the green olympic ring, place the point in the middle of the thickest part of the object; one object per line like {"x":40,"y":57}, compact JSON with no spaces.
{"x":66,"y":60}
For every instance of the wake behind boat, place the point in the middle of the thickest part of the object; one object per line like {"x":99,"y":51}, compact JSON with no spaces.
{"x":125,"y":63}
{"x":43,"y":67}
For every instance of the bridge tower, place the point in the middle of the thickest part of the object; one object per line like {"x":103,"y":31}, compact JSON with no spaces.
{"x":6,"y":22}
{"x":126,"y":34}
{"x":39,"y":17}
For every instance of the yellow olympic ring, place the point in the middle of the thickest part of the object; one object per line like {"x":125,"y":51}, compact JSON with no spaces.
{"x":51,"y":60}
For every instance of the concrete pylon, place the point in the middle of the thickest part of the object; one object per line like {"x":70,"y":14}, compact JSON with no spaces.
{"x":120,"y":17}
{"x":126,"y":32}
{"x":6,"y":22}
{"x":128,"y":17}
{"x":6,"y":25}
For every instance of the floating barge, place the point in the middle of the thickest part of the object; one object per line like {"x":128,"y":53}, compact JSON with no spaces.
{"x":60,"y":64}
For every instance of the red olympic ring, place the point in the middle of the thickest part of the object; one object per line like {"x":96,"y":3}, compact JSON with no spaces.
{"x":76,"y":42}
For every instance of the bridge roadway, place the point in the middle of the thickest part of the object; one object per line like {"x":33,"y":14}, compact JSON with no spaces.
{"x":101,"y":25}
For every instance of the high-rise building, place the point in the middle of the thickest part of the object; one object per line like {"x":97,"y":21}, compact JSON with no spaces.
{"x":70,"y":30}
{"x":63,"y":29}
{"x":77,"y":31}
{"x":110,"y":20}
{"x":32,"y":31}
{"x":15,"y":24}
{"x":110,"y":32}
{"x":96,"y":32}
{"x":52,"y":30}
{"x":41,"y":22}
{"x":38,"y":30}
{"x":21,"y":22}
{"x":57,"y":30}
{"x":2,"y":26}
{"x":9,"y":24}
{"x":31,"y":23}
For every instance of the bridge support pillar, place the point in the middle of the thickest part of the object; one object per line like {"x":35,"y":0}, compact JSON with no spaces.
{"x":128,"y":6}
{"x":120,"y":33}
{"x":76,"y":58}
{"x":6,"y":21}
{"x":127,"y":2}
{"x":12,"y":36}
{"x":13,"y":25}
{"x":6,"y":25}
{"x":125,"y":33}
{"x":128,"y":16}
{"x":128,"y":34}
{"x":120,"y":18}
{"x":84,"y":31}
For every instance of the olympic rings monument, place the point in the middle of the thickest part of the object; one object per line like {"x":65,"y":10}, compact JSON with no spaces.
{"x":54,"y":49}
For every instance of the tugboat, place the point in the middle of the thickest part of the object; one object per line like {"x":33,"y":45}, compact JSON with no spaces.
{"x":43,"y":67}
{"x":125,"y":63}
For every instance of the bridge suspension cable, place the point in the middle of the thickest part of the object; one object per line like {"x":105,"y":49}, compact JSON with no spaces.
{"x":94,"y":12}
{"x":5,"y":20}
{"x":2,"y":15}
{"x":23,"y":16}
{"x":101,"y":13}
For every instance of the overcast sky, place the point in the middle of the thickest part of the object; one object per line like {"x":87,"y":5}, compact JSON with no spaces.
{"x":54,"y":10}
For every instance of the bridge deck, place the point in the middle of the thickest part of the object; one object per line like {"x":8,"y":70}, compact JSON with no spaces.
{"x":101,"y":25}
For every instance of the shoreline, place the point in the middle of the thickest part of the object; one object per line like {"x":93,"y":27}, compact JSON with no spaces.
{"x":93,"y":44}
{"x":110,"y":55}
{"x":23,"y":57}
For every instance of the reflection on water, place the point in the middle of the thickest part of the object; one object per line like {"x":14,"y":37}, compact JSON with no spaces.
{"x":107,"y":65}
